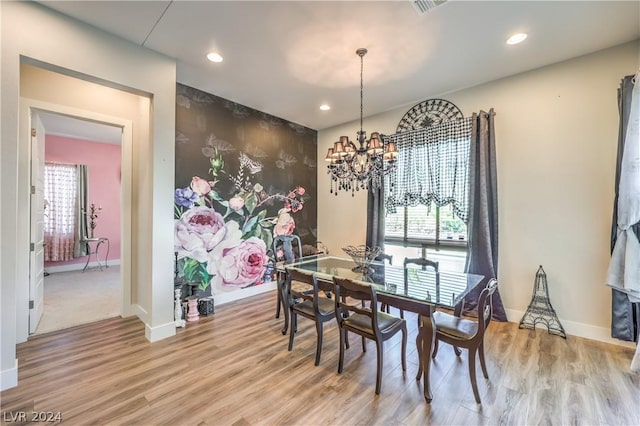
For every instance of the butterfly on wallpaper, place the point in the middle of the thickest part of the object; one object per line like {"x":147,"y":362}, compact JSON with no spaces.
{"x":309,"y":162}
{"x":183,"y":101}
{"x":181,"y":138}
{"x":241,"y":180}
{"x":285,"y":160}
{"x":237,"y":110}
{"x":252,"y":166}
{"x":220,"y":144}
{"x":254,"y":151}
{"x":271,"y":120}
{"x":264,"y":125}
{"x":298,"y":128}
{"x":202,"y":98}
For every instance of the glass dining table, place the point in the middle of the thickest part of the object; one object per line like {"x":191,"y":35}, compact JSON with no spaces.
{"x":421,"y":295}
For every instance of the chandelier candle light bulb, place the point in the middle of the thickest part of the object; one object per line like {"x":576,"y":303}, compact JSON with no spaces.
{"x":351,"y":167}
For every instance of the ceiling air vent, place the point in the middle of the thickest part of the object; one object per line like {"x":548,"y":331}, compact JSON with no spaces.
{"x":423,"y":6}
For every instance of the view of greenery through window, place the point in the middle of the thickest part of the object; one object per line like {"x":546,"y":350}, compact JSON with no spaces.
{"x":420,"y":239}
{"x":422,"y":224}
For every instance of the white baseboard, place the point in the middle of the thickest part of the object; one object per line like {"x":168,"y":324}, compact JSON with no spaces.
{"x":587,"y":331}
{"x":9,"y":377}
{"x":140,"y":312}
{"x":77,"y":266}
{"x":222,"y":298}
{"x":153,"y":334}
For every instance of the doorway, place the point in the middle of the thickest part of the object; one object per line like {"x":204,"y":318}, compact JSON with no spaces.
{"x":87,"y":288}
{"x":56,"y":92}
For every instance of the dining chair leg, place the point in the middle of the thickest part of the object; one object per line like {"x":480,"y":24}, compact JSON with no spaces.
{"x":364,"y":344}
{"x":482,"y":363}
{"x":319,"y":342}
{"x":341,"y":357}
{"x":292,"y":331}
{"x":285,"y":307}
{"x":279,"y":304}
{"x":379,"y":346}
{"x":419,"y":347}
{"x":404,"y":349}
{"x":435,"y":349}
{"x":472,"y":374}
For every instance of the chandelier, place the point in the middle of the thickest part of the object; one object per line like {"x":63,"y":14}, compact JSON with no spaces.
{"x":351,"y":167}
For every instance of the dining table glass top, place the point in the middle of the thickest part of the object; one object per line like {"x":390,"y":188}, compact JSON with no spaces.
{"x":389,"y":279}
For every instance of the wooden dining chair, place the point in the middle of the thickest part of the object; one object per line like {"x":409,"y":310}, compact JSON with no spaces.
{"x":286,"y":244}
{"x":368,"y":323}
{"x":304,"y":300}
{"x":466,"y":333}
{"x":424,"y":263}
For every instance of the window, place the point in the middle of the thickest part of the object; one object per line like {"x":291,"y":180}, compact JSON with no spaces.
{"x":435,"y":232}
{"x":426,"y":197}
{"x":60,"y":211}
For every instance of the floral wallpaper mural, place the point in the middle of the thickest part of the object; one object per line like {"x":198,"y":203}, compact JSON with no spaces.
{"x":242,"y":177}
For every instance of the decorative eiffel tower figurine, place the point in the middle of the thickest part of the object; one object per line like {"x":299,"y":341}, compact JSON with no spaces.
{"x":540,"y":309}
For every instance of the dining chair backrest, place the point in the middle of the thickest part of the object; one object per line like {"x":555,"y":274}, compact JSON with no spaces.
{"x":286,"y":242}
{"x":346,"y":292}
{"x":424,"y":263}
{"x":307,"y":288}
{"x":485,"y":307}
{"x":382,"y":257}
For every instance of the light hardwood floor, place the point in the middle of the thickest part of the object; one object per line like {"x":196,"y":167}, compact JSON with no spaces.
{"x":233,"y":368}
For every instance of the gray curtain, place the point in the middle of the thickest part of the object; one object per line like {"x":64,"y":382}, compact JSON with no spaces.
{"x":375,"y":218}
{"x":625,"y":316}
{"x":483,"y":210}
{"x":82,"y":194}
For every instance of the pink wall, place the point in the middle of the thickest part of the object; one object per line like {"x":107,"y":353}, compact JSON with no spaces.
{"x":103,"y":163}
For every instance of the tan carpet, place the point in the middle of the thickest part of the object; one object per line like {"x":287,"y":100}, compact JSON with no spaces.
{"x":74,"y":298}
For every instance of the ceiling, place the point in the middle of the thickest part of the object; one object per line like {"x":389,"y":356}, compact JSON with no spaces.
{"x":288,"y":57}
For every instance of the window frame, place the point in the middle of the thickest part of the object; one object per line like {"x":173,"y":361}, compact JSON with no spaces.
{"x":424,"y":244}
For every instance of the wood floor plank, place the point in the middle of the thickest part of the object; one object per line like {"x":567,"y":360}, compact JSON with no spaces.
{"x":233,"y":368}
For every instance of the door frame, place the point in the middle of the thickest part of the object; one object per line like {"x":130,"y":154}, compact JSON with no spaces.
{"x":28,"y":105}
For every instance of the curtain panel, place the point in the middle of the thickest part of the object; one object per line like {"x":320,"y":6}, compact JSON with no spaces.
{"x":82,"y":195}
{"x":625,"y":315}
{"x":482,"y":227}
{"x":375,"y":218}
{"x":432,"y":166}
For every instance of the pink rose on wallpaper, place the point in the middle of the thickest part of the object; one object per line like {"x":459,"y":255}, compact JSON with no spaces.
{"x":284,"y":224}
{"x":240,"y":265}
{"x":236,"y":203}
{"x":199,"y":230}
{"x":200,"y":186}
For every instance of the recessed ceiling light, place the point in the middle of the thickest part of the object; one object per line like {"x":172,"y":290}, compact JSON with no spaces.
{"x":325,"y":107}
{"x":516,"y":38}
{"x":214,"y":57}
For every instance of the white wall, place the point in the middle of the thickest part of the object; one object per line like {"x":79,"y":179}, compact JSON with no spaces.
{"x":556,"y":136}
{"x":32,"y":31}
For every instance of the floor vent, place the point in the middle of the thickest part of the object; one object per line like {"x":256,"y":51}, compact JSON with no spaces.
{"x":423,"y":6}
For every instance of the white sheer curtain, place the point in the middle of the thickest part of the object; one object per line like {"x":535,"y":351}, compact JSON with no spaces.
{"x":60,"y":193}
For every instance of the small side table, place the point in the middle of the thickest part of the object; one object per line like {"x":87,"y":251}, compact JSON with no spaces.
{"x":96,"y":251}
